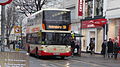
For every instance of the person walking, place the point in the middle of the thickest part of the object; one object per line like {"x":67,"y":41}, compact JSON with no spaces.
{"x":104,"y":48}
{"x":92,"y":47}
{"x":115,"y":48}
{"x":110,"y":48}
{"x":72,"y":46}
{"x":77,"y":46}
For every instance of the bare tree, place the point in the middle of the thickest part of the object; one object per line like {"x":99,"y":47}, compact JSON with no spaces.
{"x":29,"y":6}
{"x":11,"y":19}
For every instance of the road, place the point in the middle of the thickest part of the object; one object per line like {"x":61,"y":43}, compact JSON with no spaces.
{"x":86,"y":60}
{"x":56,"y":62}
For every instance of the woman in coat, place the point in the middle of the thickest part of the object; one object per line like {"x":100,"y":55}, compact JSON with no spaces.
{"x":110,"y":48}
{"x":104,"y":48}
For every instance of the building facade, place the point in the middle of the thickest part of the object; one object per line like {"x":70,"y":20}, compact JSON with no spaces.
{"x":93,"y":23}
{"x":112,"y":13}
{"x":75,"y":19}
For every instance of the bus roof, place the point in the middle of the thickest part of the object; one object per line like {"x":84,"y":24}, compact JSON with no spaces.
{"x":49,"y":9}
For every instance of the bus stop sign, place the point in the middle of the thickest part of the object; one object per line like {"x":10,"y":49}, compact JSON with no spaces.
{"x":4,"y":2}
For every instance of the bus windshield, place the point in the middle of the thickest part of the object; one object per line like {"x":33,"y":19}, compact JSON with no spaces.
{"x":56,"y":38}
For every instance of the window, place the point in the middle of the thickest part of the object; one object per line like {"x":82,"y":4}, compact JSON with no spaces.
{"x":56,"y":38}
{"x":33,"y":38}
{"x":98,"y":8}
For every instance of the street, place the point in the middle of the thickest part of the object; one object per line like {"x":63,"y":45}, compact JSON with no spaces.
{"x":85,"y":61}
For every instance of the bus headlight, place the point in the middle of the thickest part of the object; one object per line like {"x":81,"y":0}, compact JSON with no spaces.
{"x":67,"y":51}
{"x":45,"y":51}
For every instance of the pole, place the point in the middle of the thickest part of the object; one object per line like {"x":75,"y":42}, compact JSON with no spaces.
{"x":106,"y":31}
{"x":2,"y":28}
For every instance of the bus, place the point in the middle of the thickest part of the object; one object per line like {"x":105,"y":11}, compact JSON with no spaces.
{"x":48,"y":33}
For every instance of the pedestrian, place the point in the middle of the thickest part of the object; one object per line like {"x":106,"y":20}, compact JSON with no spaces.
{"x":77,"y":46}
{"x":72,"y":46}
{"x":13,"y":43}
{"x":115,"y":48}
{"x":110,"y":48}
{"x":92,"y":47}
{"x":104,"y":48}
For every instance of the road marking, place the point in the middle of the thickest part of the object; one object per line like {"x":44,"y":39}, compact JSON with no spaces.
{"x":86,"y":63}
{"x":52,"y":65}
{"x":31,"y":61}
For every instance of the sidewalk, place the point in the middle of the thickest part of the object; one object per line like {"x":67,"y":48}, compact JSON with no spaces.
{"x":98,"y":59}
{"x":6,"y":49}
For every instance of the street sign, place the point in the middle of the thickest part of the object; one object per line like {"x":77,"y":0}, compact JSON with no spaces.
{"x":4,"y":2}
{"x":17,"y":29}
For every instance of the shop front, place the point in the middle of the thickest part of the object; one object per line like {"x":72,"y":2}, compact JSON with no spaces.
{"x":114,"y":29}
{"x":93,"y":30}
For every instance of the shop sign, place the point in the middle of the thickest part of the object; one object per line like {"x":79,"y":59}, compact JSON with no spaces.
{"x":93,"y":23}
{"x":27,"y":30}
{"x":35,"y":29}
{"x":80,"y":7}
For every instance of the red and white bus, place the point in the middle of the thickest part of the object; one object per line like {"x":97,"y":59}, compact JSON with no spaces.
{"x":48,"y":33}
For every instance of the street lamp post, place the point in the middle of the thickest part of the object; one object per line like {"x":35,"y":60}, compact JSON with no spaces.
{"x":2,"y":27}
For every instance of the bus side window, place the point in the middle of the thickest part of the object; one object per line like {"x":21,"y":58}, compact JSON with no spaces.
{"x":43,"y":36}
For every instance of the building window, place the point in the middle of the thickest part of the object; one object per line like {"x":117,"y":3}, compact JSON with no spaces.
{"x":98,"y":8}
{"x":88,"y":8}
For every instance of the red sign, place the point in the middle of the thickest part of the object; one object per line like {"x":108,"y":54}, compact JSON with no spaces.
{"x":119,"y":34}
{"x":93,"y":23}
{"x":80,"y":7}
{"x":4,"y":2}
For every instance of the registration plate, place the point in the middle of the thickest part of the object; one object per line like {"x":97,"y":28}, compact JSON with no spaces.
{"x":56,"y":53}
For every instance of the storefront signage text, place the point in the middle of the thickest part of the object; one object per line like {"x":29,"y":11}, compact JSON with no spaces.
{"x":93,"y":23}
{"x":57,"y":27}
{"x":80,"y":7}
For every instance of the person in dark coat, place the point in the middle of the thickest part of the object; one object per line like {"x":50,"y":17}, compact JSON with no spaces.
{"x":72,"y":46}
{"x":115,"y":48}
{"x":77,"y":46}
{"x":92,"y":47}
{"x":104,"y":48}
{"x":110,"y":48}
